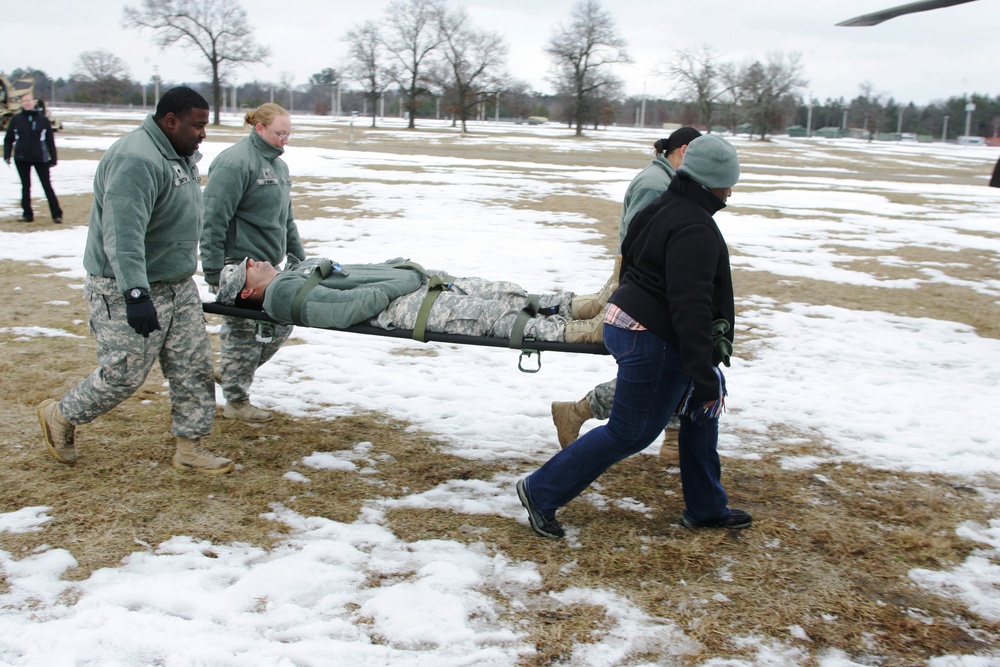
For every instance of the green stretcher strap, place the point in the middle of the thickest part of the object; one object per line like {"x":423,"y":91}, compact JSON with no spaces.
{"x":435,"y":285}
{"x":529,"y":311}
{"x":434,"y":289}
{"x":323,"y":270}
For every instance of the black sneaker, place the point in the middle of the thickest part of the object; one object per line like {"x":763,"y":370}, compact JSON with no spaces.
{"x":57,"y":219}
{"x":736,"y":519}
{"x":544,"y":526}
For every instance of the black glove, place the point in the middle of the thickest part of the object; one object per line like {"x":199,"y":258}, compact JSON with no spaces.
{"x":140,"y":312}
{"x":212,"y":277}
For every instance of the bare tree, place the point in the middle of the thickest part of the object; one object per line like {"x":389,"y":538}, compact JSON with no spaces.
{"x":767,"y":90}
{"x":472,"y":62}
{"x":366,"y":63}
{"x":325,"y":81}
{"x":731,"y":95}
{"x":218,"y":29}
{"x":870,"y":108}
{"x":699,"y":75}
{"x":411,"y":35}
{"x":580,"y":53}
{"x":104,"y":76}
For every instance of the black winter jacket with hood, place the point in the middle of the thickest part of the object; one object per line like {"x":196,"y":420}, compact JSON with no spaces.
{"x":675,"y":277}
{"x":30,"y":138}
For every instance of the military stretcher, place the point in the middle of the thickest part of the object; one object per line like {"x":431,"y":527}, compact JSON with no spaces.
{"x":527,"y":346}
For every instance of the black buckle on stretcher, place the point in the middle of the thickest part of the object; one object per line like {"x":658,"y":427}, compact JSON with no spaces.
{"x":526,"y":354}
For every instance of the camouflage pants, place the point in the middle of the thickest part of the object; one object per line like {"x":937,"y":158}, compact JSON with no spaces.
{"x":477,"y":307}
{"x":242,"y":354}
{"x":602,"y":397}
{"x":125,"y":358}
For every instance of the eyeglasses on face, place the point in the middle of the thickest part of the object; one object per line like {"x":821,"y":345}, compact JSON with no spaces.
{"x":282,"y":136}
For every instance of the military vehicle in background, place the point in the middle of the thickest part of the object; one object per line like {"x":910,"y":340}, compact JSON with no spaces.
{"x":10,"y":100}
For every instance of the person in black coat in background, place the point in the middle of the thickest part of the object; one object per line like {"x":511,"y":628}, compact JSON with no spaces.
{"x":995,"y":181}
{"x":30,"y":141}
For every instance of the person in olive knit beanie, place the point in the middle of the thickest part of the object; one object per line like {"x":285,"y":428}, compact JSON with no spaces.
{"x":669,"y":324}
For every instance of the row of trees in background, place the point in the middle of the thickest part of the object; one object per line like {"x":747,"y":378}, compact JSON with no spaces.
{"x":423,"y":59}
{"x":876,"y":113}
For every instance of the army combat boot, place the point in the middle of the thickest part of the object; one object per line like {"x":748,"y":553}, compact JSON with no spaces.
{"x":191,"y":456}
{"x":569,"y":416}
{"x":585,"y":331}
{"x":57,"y":431}
{"x":669,"y":453}
{"x":245,"y":411}
{"x":586,"y":306}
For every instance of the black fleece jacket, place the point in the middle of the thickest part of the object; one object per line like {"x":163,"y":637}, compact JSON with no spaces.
{"x":29,"y":137}
{"x":675,"y":277}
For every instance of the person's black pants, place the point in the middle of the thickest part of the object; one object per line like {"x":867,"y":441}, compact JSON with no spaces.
{"x":42,"y":169}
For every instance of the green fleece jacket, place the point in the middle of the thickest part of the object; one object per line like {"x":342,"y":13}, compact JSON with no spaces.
{"x":648,"y":184}
{"x":148,"y":211}
{"x":357,"y":293}
{"x":248,"y":206}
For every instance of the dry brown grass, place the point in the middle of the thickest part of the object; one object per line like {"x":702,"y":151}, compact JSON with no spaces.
{"x":830,"y":549}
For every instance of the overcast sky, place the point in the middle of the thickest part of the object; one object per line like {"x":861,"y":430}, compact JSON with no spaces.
{"x":920,"y":58}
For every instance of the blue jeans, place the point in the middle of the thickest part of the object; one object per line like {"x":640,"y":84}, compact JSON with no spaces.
{"x":650,"y":384}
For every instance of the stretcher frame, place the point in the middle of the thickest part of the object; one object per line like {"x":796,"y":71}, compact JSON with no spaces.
{"x":527,"y":346}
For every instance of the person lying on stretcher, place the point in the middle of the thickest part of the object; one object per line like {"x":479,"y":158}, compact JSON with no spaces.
{"x":324,"y":294}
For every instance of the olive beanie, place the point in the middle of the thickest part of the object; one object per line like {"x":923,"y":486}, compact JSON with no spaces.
{"x":711,"y":161}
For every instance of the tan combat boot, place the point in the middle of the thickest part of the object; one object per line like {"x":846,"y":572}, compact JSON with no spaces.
{"x":669,"y":452}
{"x":585,"y":331}
{"x":191,"y":456}
{"x":586,"y":306}
{"x":58,"y":432}
{"x":568,"y":416}
{"x":244,"y":411}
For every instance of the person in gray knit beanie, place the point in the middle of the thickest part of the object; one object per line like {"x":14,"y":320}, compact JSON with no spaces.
{"x":712,"y":161}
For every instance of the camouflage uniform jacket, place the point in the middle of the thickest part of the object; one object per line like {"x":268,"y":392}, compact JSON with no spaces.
{"x":248,"y":206}
{"x":358,"y":293}
{"x":148,"y":211}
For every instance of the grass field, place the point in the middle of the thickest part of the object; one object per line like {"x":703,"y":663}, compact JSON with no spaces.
{"x":823,"y":578}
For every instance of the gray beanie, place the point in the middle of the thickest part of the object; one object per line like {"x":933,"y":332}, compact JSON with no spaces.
{"x":712,"y":161}
{"x":231,"y":282}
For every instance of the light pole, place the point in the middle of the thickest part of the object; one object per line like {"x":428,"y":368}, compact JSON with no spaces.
{"x":642,"y":107}
{"x":969,"y":108}
{"x":809,"y":118}
{"x":944,"y":130}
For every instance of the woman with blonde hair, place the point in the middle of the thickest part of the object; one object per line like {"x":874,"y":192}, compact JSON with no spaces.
{"x":248,"y":213}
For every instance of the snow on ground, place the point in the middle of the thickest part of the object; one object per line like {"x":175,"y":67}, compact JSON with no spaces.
{"x":883,"y":390}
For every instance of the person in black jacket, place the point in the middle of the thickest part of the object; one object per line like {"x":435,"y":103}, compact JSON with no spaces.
{"x":30,"y":140}
{"x":669,"y":324}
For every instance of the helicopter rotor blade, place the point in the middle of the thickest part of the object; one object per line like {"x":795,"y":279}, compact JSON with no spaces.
{"x":910,"y":8}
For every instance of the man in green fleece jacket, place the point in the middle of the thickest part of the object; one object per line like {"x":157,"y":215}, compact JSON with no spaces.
{"x":141,"y":254}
